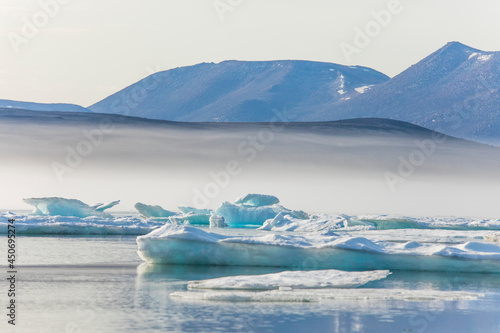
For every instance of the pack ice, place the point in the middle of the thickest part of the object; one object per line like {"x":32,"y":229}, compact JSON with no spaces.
{"x":175,"y":244}
{"x":71,"y":225}
{"x":309,"y":286}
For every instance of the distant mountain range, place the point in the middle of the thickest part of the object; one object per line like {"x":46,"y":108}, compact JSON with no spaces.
{"x":240,"y":91}
{"x":455,"y":90}
{"x":8,"y":104}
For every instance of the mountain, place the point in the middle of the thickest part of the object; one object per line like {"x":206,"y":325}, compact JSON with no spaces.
{"x":454,"y":90}
{"x":239,"y":91}
{"x":8,"y":104}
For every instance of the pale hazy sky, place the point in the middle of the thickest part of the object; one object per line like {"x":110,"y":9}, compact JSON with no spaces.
{"x":85,"y":50}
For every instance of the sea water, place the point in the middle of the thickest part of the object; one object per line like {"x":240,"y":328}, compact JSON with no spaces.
{"x":99,"y":284}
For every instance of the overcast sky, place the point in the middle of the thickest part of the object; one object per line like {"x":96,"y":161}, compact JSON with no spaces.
{"x":81,"y":51}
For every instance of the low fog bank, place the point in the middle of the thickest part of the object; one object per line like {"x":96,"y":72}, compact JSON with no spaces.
{"x":354,"y":167}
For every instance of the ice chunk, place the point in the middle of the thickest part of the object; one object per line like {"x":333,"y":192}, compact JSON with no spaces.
{"x":191,"y":218}
{"x":55,"y":206}
{"x":217,"y":221}
{"x":292,"y":279}
{"x":257,"y":200}
{"x":322,"y":295}
{"x":187,"y":210}
{"x":250,"y":215}
{"x":187,"y":245}
{"x":102,"y":207}
{"x":153,"y":211}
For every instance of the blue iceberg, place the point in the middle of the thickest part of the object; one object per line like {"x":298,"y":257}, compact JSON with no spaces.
{"x":149,"y":211}
{"x":55,"y":206}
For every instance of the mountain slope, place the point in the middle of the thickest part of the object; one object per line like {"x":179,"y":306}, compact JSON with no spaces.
{"x":454,"y":90}
{"x":9,"y":104}
{"x":239,"y":91}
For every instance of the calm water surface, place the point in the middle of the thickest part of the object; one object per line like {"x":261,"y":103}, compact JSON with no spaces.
{"x":99,"y":284}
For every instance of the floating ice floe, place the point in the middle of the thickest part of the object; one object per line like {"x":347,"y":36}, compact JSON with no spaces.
{"x":321,"y":295}
{"x":173,"y":244}
{"x":55,"y":206}
{"x":71,"y":225}
{"x":149,"y":211}
{"x":292,"y":279}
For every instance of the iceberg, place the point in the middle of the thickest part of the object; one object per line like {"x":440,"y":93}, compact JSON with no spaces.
{"x":55,"y":206}
{"x":239,"y":215}
{"x":174,"y":244}
{"x":322,"y":295}
{"x":217,"y":221}
{"x":292,"y":279}
{"x":257,"y":200}
{"x":149,"y":211}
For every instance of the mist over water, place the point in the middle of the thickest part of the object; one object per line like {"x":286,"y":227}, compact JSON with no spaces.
{"x":353,"y":167}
